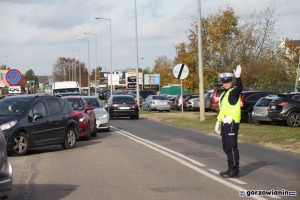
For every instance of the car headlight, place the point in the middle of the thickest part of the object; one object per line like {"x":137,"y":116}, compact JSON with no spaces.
{"x":8,"y":125}
{"x":82,"y":119}
{"x":102,"y":116}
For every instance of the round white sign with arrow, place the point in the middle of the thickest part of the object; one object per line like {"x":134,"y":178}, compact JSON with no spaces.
{"x":180,"y":71}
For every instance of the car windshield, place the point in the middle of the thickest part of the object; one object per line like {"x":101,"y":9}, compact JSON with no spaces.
{"x":13,"y":106}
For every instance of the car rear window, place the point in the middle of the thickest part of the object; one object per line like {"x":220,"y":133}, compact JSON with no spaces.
{"x":120,"y":100}
{"x":160,"y":97}
{"x":263,"y":102}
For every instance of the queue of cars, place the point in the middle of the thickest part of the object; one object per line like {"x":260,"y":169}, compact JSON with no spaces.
{"x":31,"y":120}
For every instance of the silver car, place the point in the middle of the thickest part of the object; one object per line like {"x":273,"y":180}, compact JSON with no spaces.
{"x":102,"y":117}
{"x":5,"y":169}
{"x":156,"y":102}
{"x":260,"y":109}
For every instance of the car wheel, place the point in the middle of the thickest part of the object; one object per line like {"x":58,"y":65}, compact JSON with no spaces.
{"x":21,"y":145}
{"x":70,"y":139}
{"x":294,"y":119}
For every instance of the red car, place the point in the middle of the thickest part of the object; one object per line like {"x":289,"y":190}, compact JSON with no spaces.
{"x":85,"y":114}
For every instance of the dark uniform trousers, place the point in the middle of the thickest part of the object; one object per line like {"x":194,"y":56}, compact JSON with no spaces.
{"x":230,"y":145}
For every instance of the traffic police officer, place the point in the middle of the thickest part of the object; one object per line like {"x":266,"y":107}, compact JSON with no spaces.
{"x":228,"y":120}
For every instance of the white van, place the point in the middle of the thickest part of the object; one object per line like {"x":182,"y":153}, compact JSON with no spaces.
{"x":65,"y":87}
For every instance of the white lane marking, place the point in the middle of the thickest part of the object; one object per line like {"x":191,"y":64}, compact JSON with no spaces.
{"x":168,"y":150}
{"x":232,"y":179}
{"x":226,"y":183}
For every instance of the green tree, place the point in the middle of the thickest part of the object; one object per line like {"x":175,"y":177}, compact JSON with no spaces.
{"x":228,"y":41}
{"x":219,"y":32}
{"x":30,"y":76}
{"x":164,"y":67}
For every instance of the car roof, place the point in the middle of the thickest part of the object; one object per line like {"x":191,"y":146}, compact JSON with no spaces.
{"x":121,"y":95}
{"x":274,"y":96}
{"x":26,"y":96}
{"x":256,"y":91}
{"x":72,"y":97}
{"x":90,"y":97}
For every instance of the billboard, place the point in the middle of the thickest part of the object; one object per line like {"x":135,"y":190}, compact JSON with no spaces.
{"x":118,"y":78}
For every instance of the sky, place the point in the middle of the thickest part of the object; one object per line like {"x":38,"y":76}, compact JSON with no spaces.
{"x":35,"y":33}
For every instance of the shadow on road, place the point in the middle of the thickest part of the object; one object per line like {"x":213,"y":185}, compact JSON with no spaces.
{"x":247,"y":169}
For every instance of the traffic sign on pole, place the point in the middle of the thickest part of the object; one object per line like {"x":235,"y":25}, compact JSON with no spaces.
{"x":180,"y":71}
{"x":13,"y":77}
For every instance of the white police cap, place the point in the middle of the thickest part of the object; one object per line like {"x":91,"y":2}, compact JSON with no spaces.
{"x":226,"y":77}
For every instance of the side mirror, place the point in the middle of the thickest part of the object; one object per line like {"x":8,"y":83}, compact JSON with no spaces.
{"x":37,"y":116}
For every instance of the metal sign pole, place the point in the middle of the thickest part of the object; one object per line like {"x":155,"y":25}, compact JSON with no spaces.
{"x":181,"y":98}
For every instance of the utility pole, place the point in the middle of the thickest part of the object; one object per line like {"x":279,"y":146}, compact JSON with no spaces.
{"x":297,"y":77}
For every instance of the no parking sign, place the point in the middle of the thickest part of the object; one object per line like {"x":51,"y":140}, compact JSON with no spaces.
{"x":13,"y":77}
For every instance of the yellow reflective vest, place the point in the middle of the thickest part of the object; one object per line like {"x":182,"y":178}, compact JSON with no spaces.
{"x":226,"y":109}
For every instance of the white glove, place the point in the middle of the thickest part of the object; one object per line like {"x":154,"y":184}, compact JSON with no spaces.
{"x":237,"y":72}
{"x":218,"y":128}
{"x":227,"y":120}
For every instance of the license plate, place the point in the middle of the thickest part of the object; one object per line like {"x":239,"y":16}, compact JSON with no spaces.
{"x":273,"y":107}
{"x":124,"y":108}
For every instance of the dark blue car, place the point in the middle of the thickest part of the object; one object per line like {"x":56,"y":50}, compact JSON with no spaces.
{"x":32,"y":121}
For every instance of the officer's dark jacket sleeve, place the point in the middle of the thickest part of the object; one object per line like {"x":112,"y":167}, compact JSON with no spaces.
{"x":234,"y":94}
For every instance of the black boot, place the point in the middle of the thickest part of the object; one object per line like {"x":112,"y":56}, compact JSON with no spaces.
{"x":229,"y":174}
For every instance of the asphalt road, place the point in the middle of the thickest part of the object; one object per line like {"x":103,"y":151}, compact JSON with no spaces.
{"x":144,"y":159}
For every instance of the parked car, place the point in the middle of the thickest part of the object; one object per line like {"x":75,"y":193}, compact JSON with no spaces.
{"x":122,"y":105}
{"x":286,"y":108}
{"x":6,"y":170}
{"x":143,"y":93}
{"x":172,"y":101}
{"x":214,"y":99}
{"x":188,"y":102}
{"x":156,"y":102}
{"x":195,"y":103}
{"x":260,"y":109}
{"x":178,"y":100}
{"x":207,"y":100}
{"x":102,"y":117}
{"x":29,"y":121}
{"x":248,"y":100}
{"x":85,"y":114}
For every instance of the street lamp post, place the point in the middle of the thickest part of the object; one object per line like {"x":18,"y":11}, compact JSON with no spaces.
{"x":89,"y":88}
{"x":73,"y":67}
{"x":78,"y":66}
{"x":137,"y":59}
{"x":110,"y":52}
{"x":142,"y":75}
{"x":96,"y":57}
